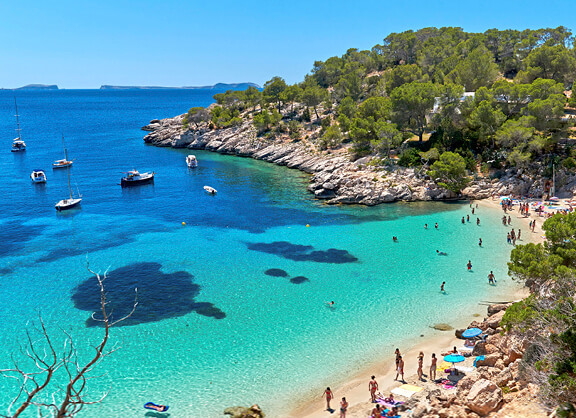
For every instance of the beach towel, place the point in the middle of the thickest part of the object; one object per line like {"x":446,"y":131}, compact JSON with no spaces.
{"x":479,"y":358}
{"x":406,"y":390}
{"x":443,"y":366}
{"x":465,"y":369}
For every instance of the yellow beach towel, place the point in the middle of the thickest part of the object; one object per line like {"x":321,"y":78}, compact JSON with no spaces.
{"x":443,"y":366}
{"x":406,"y":390}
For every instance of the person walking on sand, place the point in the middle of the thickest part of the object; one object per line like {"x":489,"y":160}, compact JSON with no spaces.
{"x":343,"y":407}
{"x":398,"y":355}
{"x":419,"y":372}
{"x":433,"y":367}
{"x":400,"y":368}
{"x":509,"y":220}
{"x":372,"y":388}
{"x":491,"y":279}
{"x":519,"y":233}
{"x":533,"y":225}
{"x":329,"y":396}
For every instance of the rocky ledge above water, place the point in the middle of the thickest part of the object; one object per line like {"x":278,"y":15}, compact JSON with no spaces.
{"x":334,"y":177}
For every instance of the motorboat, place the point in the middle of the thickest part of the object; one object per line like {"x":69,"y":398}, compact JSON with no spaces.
{"x":64,"y":162}
{"x":134,"y":178}
{"x":38,"y":176}
{"x":210,"y":190}
{"x":191,"y":161}
{"x":18,"y":145}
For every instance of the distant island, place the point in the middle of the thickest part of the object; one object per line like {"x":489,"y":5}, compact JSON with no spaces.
{"x":36,"y":87}
{"x":218,"y":86}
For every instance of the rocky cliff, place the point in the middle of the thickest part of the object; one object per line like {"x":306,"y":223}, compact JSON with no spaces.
{"x":334,"y":177}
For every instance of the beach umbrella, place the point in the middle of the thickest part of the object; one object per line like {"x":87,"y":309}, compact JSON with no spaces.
{"x":472,"y":332}
{"x":454,"y":358}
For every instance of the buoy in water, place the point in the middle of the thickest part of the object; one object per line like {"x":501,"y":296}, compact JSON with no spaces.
{"x":307,"y":225}
{"x":183,"y":223}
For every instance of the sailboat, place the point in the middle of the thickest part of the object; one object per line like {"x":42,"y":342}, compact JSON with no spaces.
{"x":17,"y":144}
{"x":65,"y":162}
{"x":71,"y":202}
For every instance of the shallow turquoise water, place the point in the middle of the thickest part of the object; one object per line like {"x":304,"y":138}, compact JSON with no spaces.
{"x":263,"y":339}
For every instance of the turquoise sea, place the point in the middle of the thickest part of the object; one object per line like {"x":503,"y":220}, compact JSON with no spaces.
{"x":232,"y":305}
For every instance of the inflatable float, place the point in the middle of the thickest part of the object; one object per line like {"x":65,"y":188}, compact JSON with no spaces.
{"x":155,"y":407}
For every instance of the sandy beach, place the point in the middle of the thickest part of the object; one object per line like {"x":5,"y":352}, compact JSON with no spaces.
{"x":355,"y":386}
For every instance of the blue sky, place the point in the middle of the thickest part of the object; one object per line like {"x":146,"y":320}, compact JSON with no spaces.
{"x":86,"y":43}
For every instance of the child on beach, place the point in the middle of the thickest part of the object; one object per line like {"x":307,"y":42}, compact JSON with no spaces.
{"x":329,"y":396}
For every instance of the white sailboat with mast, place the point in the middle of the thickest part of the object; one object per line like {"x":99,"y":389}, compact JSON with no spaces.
{"x":17,"y":144}
{"x":71,"y":202}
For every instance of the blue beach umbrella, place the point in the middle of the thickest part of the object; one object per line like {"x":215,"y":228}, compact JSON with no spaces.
{"x":472,"y":332}
{"x":454,"y":358}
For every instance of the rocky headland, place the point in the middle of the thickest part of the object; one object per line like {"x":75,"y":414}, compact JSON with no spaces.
{"x":335,"y":177}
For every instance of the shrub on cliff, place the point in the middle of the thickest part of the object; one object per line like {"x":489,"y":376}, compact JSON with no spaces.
{"x":450,"y":172}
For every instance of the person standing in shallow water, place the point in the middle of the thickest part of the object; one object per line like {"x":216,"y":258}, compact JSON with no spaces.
{"x":442,"y":287}
{"x":469,"y":265}
{"x":329,"y":396}
{"x":343,"y":407}
{"x":372,"y":388}
{"x":491,"y":279}
{"x":479,"y":242}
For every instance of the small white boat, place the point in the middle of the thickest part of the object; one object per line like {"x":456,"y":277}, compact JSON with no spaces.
{"x":210,"y":190}
{"x":134,"y":178}
{"x":68,"y":203}
{"x":61,"y":163}
{"x":191,"y":161}
{"x":38,"y":176}
{"x":17,"y":144}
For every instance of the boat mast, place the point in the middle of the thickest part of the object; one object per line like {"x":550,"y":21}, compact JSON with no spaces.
{"x":65,"y":150}
{"x":17,"y":120}
{"x":67,"y":169}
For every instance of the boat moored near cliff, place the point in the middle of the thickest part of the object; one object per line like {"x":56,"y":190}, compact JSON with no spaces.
{"x":191,"y":161}
{"x":134,"y":178}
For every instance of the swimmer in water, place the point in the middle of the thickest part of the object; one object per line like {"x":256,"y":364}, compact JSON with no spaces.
{"x":436,"y":225}
{"x":440,"y":252}
{"x":425,"y":226}
{"x":395,"y":238}
{"x":330,"y":304}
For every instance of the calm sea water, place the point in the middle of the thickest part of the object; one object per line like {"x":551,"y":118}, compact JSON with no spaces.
{"x":232,"y":305}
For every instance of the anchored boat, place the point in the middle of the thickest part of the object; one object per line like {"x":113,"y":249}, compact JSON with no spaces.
{"x":17,"y":144}
{"x":191,"y":161}
{"x":134,"y":178}
{"x":38,"y":176}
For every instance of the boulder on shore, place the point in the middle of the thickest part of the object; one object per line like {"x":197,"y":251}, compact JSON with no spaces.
{"x":243,"y":412}
{"x":484,"y":397}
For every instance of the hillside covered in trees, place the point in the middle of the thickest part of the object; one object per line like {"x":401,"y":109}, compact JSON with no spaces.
{"x":458,"y":103}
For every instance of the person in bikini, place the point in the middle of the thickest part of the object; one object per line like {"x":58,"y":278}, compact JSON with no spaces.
{"x":400,"y":368}
{"x":433,"y":367}
{"x":372,"y":388}
{"x":329,"y":396}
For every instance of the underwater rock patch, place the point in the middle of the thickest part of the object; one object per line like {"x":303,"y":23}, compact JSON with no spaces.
{"x":298,"y":252}
{"x":160,"y":295}
{"x":299,"y":280}
{"x":276,"y":273}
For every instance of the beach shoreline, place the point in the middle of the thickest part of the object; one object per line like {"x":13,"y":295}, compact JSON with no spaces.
{"x":354,"y":386}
